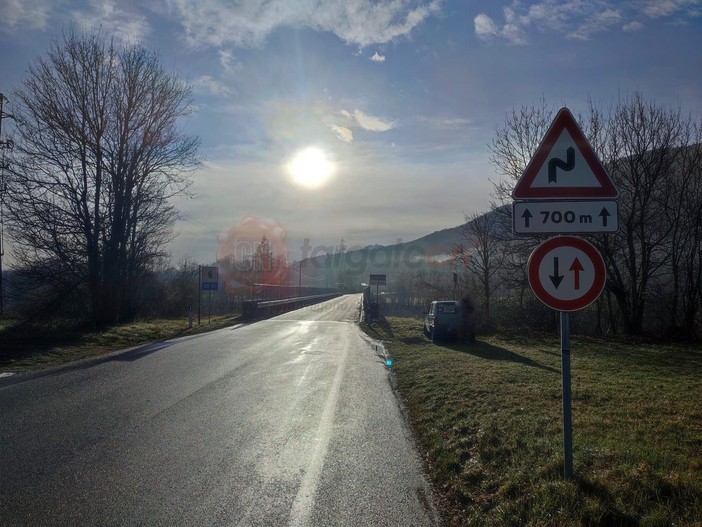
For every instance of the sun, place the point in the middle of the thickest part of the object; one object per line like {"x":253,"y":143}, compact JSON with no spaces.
{"x":310,"y":168}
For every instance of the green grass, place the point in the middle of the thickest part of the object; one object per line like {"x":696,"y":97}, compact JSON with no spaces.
{"x":24,"y":348}
{"x":6,"y":323}
{"x":488,"y":420}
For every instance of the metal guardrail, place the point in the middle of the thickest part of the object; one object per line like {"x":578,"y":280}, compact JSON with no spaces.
{"x":299,"y":299}
{"x":254,"y":309}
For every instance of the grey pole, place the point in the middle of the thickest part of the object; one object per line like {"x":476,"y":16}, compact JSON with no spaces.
{"x":5,"y":144}
{"x":567,"y":410}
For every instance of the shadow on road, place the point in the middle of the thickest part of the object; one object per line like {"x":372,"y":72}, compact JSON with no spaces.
{"x":138,"y":353}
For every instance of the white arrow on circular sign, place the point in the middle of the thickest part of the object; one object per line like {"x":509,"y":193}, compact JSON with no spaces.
{"x":566,"y":273}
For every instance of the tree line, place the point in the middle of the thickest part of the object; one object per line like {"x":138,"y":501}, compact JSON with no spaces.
{"x":98,"y":158}
{"x":653,"y":154}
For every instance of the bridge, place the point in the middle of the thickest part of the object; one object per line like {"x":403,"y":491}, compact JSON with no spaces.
{"x":270,"y":299}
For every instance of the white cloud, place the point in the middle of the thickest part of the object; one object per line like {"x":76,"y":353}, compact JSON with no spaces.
{"x":453,"y":123}
{"x":210,"y":85}
{"x":370,"y":122}
{"x":249,"y":22}
{"x":343,"y":133}
{"x":107,"y":14}
{"x":110,"y":15}
{"x":559,"y":16}
{"x":444,"y":123}
{"x":18,"y":13}
{"x":597,"y":23}
{"x":633,"y":26}
{"x":228,"y":61}
{"x":661,"y":8}
{"x":485,"y":26}
{"x":512,"y":29}
{"x":377,"y":57}
{"x":360,"y":119}
{"x":578,"y":19}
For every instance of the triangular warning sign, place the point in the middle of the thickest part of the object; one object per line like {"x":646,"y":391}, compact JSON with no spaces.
{"x":564,"y":166}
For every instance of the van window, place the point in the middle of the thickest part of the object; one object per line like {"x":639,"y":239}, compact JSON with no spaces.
{"x":447,"y":308}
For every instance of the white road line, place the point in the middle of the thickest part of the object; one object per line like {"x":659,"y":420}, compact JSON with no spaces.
{"x":304,"y":501}
{"x":304,"y":374}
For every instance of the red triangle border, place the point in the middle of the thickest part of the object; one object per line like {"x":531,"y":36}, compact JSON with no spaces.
{"x":564,"y":120}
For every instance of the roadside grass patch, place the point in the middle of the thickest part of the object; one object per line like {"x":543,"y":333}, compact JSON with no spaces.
{"x":25,"y":347}
{"x":488,"y":420}
{"x":6,"y":323}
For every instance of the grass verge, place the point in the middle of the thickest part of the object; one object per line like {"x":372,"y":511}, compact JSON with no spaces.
{"x":24,"y":348}
{"x":488,"y":420}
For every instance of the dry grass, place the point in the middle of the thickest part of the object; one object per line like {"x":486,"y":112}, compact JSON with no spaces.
{"x":26,"y":348}
{"x":488,"y":419}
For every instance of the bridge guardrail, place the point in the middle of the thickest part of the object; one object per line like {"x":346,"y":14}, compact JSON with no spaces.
{"x":254,"y":309}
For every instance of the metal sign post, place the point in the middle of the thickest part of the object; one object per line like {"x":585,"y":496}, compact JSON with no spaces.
{"x":565,"y":189}
{"x":567,"y":397}
{"x":566,"y":274}
{"x":377,"y":280}
{"x":208,"y":281}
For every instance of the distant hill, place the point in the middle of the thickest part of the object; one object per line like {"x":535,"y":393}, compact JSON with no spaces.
{"x":429,"y":252}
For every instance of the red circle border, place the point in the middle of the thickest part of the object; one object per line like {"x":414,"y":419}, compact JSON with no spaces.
{"x":575,"y":304}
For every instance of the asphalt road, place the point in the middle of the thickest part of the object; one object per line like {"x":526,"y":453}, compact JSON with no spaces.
{"x":288,"y":421}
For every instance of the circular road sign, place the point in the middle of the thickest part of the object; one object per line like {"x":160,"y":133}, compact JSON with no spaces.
{"x":566,"y":273}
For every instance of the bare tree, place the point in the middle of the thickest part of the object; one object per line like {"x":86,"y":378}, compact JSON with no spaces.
{"x":483,"y":253}
{"x":98,"y":158}
{"x":688,"y":246}
{"x":643,"y":148}
{"x":181,"y":287}
{"x":653,"y":155}
{"x":513,"y":146}
{"x":515,"y":143}
{"x":683,"y":212}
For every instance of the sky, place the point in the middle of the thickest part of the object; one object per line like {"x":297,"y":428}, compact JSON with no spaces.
{"x":398,"y":99}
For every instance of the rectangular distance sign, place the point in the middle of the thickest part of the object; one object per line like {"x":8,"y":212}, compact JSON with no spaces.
{"x":565,"y":217}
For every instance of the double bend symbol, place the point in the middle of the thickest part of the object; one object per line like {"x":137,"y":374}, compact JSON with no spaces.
{"x":555,"y":163}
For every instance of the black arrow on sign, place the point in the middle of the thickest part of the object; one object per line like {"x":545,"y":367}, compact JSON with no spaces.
{"x":604,"y":214}
{"x":555,"y":163}
{"x":556,"y":278}
{"x":527,"y":216}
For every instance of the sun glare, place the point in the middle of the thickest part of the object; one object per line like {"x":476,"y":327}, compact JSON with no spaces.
{"x":310,"y":168}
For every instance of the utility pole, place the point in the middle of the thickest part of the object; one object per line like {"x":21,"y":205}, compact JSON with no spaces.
{"x":3,"y":189}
